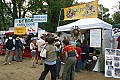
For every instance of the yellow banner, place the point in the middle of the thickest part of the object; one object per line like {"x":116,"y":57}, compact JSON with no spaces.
{"x":19,"y":30}
{"x":87,"y":10}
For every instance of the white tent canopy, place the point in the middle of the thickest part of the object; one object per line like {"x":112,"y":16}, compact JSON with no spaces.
{"x":86,"y":24}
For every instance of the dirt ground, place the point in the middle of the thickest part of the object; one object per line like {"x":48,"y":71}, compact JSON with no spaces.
{"x":23,"y":71}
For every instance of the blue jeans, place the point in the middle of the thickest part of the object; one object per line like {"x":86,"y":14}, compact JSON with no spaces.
{"x":58,"y":67}
{"x":78,"y":66}
{"x":83,"y":64}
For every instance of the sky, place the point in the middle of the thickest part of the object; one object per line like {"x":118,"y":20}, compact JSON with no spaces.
{"x":106,"y":3}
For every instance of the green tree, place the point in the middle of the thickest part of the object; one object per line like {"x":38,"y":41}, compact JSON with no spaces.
{"x":53,"y":7}
{"x":103,"y":14}
{"x":116,"y":15}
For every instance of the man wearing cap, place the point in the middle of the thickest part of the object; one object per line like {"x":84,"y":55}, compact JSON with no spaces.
{"x":18,"y":49}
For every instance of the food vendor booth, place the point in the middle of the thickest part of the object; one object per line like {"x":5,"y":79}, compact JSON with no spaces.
{"x":99,"y":33}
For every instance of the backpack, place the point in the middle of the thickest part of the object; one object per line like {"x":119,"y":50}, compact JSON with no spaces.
{"x":9,"y":44}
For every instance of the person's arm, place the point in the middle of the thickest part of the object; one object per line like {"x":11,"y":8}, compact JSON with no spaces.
{"x":66,"y":55}
{"x":76,"y":54}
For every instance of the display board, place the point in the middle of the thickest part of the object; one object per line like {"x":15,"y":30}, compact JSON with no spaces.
{"x":112,"y":63}
{"x":40,"y":18}
{"x":95,"y":38}
{"x":20,"y":30}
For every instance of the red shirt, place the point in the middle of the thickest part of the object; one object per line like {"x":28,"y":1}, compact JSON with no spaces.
{"x":69,"y":48}
{"x":118,"y":39}
{"x":79,"y":52}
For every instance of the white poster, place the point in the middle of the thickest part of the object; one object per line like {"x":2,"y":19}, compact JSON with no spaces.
{"x":112,"y":63}
{"x":40,"y":18}
{"x":40,"y":32}
{"x":32,"y":28}
{"x":95,"y":38}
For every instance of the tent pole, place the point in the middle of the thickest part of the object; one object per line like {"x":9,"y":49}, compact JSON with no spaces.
{"x":59,"y":16}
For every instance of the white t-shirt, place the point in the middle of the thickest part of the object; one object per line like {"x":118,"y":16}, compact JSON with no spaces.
{"x":23,"y":40}
{"x":40,"y":43}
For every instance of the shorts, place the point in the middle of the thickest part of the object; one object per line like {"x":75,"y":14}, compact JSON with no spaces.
{"x":39,"y":53}
{"x":33,"y":53}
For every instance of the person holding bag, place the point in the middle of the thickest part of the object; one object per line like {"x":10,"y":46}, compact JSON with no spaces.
{"x":50,"y":60}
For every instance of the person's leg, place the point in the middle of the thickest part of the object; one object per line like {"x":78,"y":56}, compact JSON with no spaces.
{"x":67,"y":67}
{"x":45,"y":72}
{"x":70,"y":75}
{"x":53,"y":71}
{"x":11,"y":56}
{"x":37,"y":57}
{"x":33,"y":59}
{"x":72,"y":70}
{"x":58,"y":67}
{"x":84,"y":64}
{"x":78,"y":66}
{"x":20,"y":55}
{"x":6,"y":56}
{"x":17,"y":56}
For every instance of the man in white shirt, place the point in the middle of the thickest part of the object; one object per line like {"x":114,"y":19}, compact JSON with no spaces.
{"x":40,"y":44}
{"x":9,"y":52}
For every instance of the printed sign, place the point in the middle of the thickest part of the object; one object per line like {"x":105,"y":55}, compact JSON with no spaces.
{"x":32,"y":29}
{"x":95,"y":38}
{"x":112,"y":63}
{"x":20,"y":30}
{"x":88,"y":10}
{"x":24,"y":22}
{"x":40,"y":18}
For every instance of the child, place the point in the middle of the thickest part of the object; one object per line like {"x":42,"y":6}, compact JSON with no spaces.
{"x":33,"y":52}
{"x":78,"y":62}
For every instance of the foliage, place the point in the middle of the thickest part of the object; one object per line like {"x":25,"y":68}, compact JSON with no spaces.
{"x":19,"y":8}
{"x":116,"y":15}
{"x":103,"y":14}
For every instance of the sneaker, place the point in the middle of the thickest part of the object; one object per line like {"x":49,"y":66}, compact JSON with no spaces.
{"x":10,"y":63}
{"x":41,"y":63}
{"x":36,"y":63}
{"x":33,"y":67}
{"x":5,"y":63}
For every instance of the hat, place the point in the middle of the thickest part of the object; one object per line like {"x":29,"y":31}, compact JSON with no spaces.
{"x":17,"y":38}
{"x":57,"y":43}
{"x":56,"y":38}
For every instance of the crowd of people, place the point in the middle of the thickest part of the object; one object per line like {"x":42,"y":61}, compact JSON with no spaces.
{"x":74,"y":56}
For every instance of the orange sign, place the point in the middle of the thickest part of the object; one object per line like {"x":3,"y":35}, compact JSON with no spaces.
{"x":20,"y":30}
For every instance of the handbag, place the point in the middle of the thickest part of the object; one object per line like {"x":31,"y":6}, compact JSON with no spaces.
{"x":43,"y":53}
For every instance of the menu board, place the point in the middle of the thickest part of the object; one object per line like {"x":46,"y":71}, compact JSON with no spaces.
{"x":112,"y":63}
{"x":95,"y":38}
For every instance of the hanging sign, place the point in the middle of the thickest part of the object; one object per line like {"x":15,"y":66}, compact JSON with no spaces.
{"x":87,"y":10}
{"x":95,"y":38}
{"x":23,"y":22}
{"x":40,"y":18}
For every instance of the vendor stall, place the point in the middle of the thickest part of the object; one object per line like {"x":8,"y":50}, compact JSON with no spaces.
{"x":93,"y":24}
